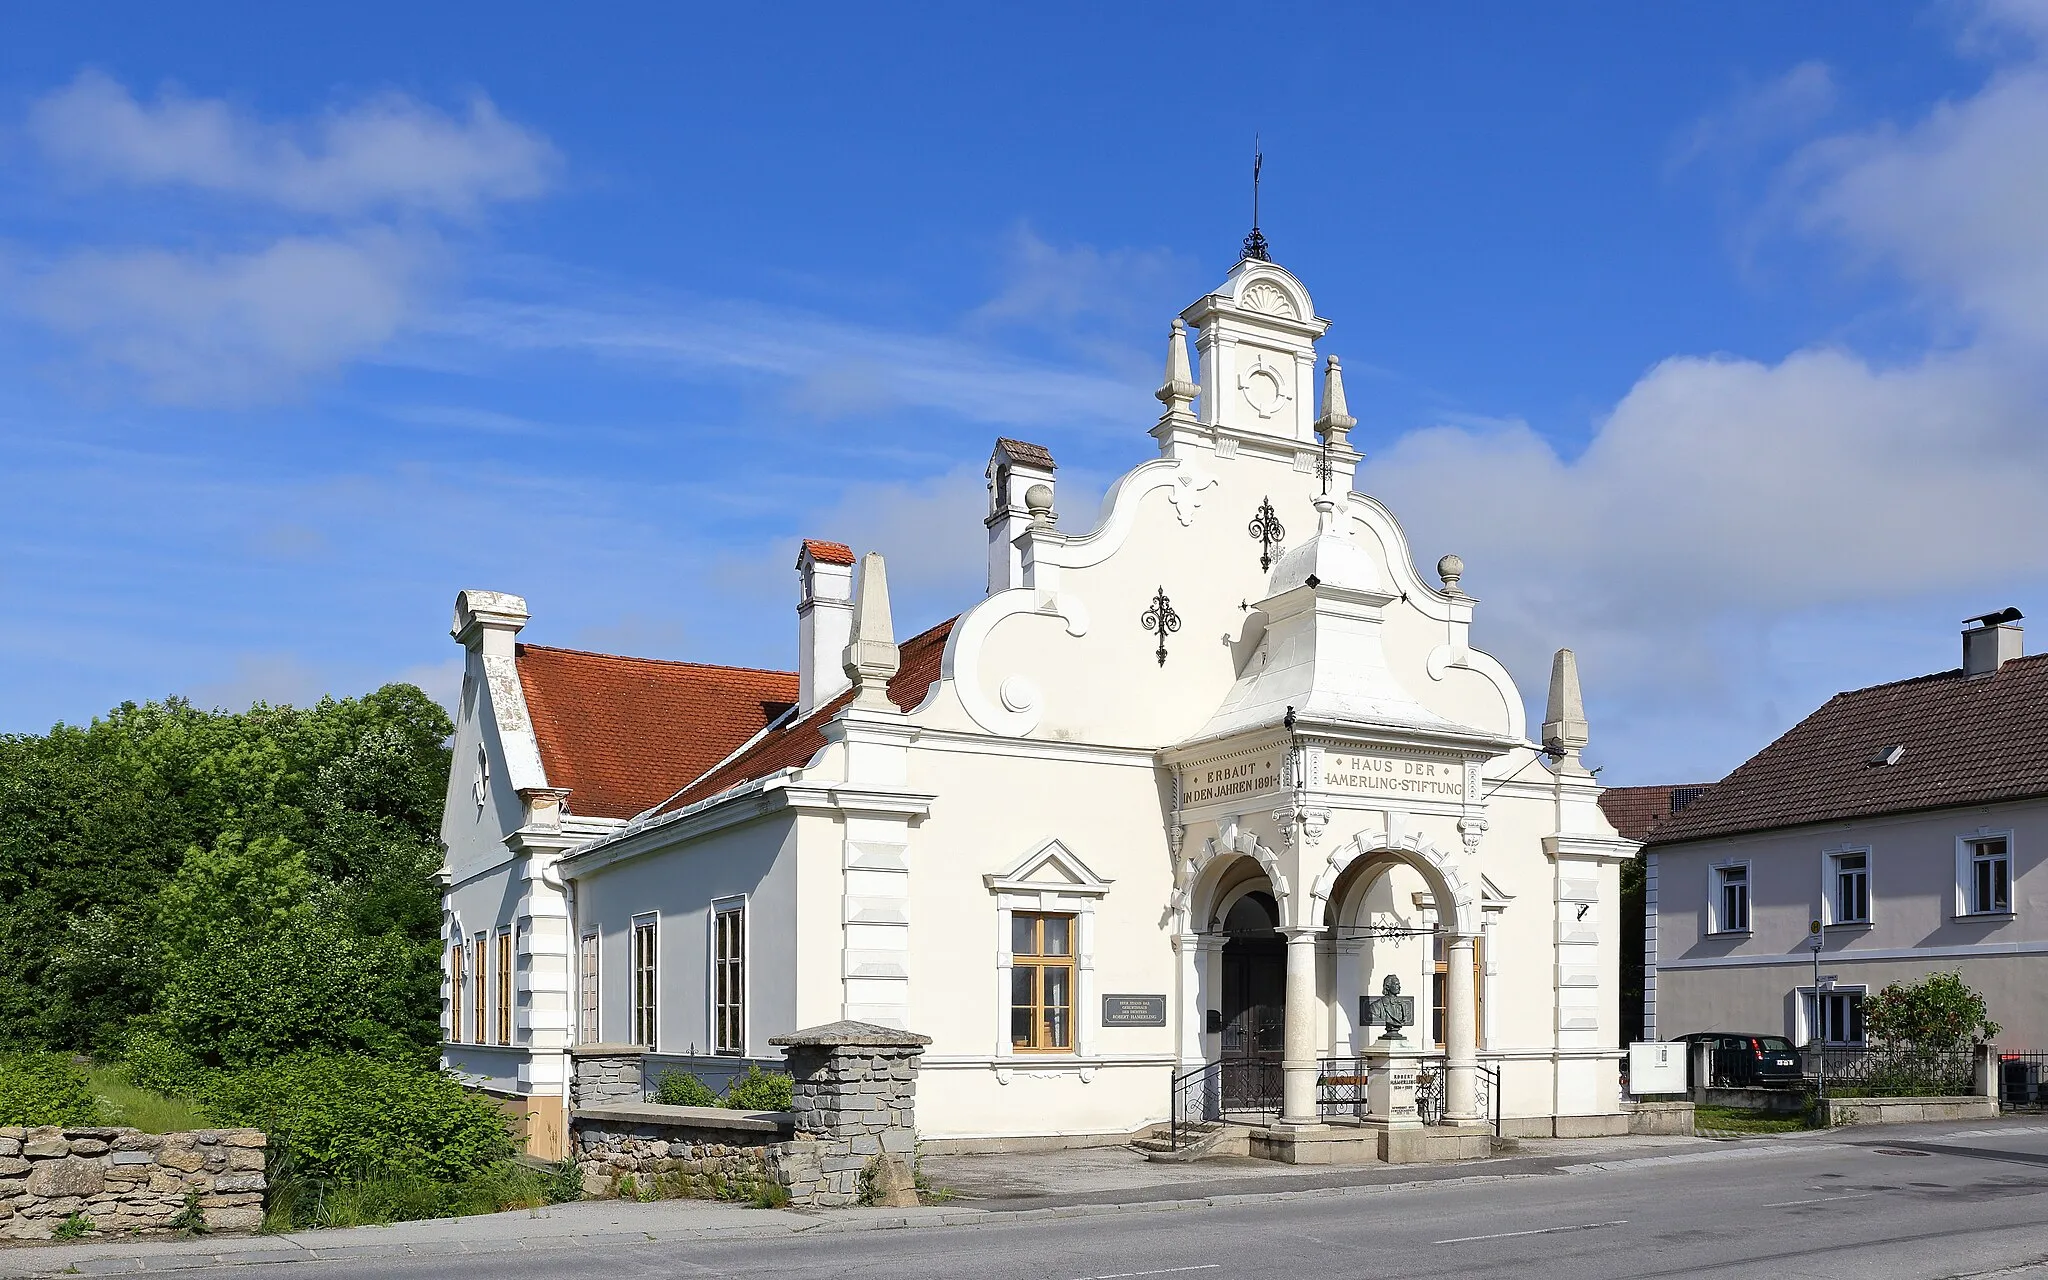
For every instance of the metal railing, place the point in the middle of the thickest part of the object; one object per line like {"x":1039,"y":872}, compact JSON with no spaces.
{"x":1251,"y":1088}
{"x":1897,"y":1071}
{"x":1215,"y":1091}
{"x":2022,"y":1078}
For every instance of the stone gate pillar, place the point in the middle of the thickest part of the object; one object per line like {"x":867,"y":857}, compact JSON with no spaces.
{"x":855,"y":1094}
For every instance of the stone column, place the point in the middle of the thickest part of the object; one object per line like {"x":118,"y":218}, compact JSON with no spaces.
{"x":1461,"y":1030}
{"x":1300,"y":1041}
{"x":855,"y":1094}
{"x":1193,"y":1012}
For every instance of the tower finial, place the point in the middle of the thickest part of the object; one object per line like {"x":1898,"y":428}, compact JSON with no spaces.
{"x":1255,"y":243}
{"x":1564,"y":722}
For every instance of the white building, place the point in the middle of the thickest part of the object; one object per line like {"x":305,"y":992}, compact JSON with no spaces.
{"x":1186,"y":786}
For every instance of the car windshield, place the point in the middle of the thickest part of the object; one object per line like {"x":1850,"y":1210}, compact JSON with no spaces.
{"x":1775,"y":1044}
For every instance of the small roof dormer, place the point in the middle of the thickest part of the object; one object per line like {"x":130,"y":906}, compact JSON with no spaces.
{"x":1256,"y":337}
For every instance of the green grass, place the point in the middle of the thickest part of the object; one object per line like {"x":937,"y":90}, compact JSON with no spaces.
{"x":1747,"y":1120}
{"x":143,"y":1109}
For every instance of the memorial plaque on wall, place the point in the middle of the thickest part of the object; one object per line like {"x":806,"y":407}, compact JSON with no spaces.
{"x":1134,"y":1011}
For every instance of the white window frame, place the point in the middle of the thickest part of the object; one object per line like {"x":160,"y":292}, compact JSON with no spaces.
{"x":504,"y":963}
{"x":735,"y":905}
{"x":1831,"y":883}
{"x":1716,"y":924}
{"x":458,"y":981}
{"x":651,"y":922}
{"x":589,"y":971}
{"x":1808,"y":1012}
{"x":1966,"y":875}
{"x":1076,"y":892}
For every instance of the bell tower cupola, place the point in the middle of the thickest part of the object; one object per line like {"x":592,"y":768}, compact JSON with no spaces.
{"x":1256,"y":336}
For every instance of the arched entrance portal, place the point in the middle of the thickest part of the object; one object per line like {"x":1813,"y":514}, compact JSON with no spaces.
{"x":1254,"y":1004}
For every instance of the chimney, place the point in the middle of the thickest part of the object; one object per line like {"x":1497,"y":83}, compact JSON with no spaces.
{"x":824,"y":621}
{"x":1993,"y":641}
{"x":1014,"y":470}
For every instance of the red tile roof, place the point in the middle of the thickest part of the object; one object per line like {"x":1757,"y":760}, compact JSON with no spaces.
{"x":1966,"y":742}
{"x":1637,"y":811}
{"x":828,"y":552}
{"x":794,"y":744}
{"x":623,"y":734}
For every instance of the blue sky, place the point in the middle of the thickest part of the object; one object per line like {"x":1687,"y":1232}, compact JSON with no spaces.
{"x":1711,"y":336}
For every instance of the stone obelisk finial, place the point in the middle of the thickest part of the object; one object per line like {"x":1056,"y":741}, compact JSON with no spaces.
{"x":1336,"y":423}
{"x":872,"y":657}
{"x":1564,"y":723}
{"x":1178,"y":391}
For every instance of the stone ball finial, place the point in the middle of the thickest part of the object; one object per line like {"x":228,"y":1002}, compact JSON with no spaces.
{"x":1450,"y":569}
{"x":1038,"y":501}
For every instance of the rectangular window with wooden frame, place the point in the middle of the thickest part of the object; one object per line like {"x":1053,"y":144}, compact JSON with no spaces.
{"x":502,"y":981}
{"x":729,"y":980}
{"x":1440,"y":991}
{"x":479,"y":976}
{"x":646,"y":975}
{"x":457,"y":975}
{"x":1041,"y":982}
{"x":586,"y":980}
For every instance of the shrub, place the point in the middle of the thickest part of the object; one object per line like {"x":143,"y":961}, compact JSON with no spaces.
{"x":360,"y":1118}
{"x":1937,"y":1012}
{"x":760,"y":1090}
{"x":45,"y":1088}
{"x":683,"y":1089}
{"x":158,"y":1063}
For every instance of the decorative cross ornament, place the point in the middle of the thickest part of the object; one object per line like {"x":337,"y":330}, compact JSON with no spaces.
{"x":1267,"y":531}
{"x":1162,"y":620}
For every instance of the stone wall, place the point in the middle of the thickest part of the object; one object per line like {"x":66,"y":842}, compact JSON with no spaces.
{"x":671,"y":1152}
{"x":125,"y":1180}
{"x":606,"y":1075}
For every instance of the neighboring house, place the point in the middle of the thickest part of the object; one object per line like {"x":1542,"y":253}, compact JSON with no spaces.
{"x":1909,"y":820}
{"x":1185,"y":786}
{"x":1638,"y":813}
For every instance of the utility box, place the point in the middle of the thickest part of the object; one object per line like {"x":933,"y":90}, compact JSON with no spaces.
{"x":1656,"y":1067}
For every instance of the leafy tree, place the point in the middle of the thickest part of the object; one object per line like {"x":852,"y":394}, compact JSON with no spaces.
{"x":317,"y":824}
{"x":1937,"y":1012}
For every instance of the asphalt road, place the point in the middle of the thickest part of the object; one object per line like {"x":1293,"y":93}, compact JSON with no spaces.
{"x":1867,"y":1204}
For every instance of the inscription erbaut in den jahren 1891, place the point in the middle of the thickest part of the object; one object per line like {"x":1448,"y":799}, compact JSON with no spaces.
{"x":1221,"y":779}
{"x":1393,"y":776}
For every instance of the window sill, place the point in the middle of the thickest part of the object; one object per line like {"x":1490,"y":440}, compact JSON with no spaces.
{"x":1967,"y":917}
{"x":1851,"y":924}
{"x":1729,"y":933}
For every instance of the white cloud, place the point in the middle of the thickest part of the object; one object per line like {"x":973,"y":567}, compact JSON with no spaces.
{"x":830,"y":367}
{"x":389,"y":152}
{"x":1957,"y":202}
{"x":1758,"y":115}
{"x":230,"y":328}
{"x":1725,"y":501}
{"x":1055,"y":287}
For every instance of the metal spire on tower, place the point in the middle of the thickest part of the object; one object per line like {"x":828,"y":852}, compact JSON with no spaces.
{"x":1255,"y":243}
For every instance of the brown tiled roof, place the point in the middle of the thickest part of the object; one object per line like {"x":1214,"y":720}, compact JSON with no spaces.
{"x":1966,"y":742}
{"x":1637,"y":811}
{"x":624,"y":733}
{"x":1036,"y":455}
{"x":794,"y":744}
{"x":828,"y":552}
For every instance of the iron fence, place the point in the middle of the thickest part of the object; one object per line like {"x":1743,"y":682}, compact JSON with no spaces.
{"x":1340,"y":1087}
{"x":1897,"y":1071}
{"x":1245,"y":1088}
{"x":1432,"y":1091}
{"x":2022,"y":1078}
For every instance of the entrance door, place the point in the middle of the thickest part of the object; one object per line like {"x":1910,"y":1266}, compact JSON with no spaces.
{"x":1254,"y":1006}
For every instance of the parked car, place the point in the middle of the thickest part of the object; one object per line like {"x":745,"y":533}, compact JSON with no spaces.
{"x":1747,"y":1061}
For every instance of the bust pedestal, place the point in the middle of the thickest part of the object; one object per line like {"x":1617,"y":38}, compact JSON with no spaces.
{"x":1390,"y":1085}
